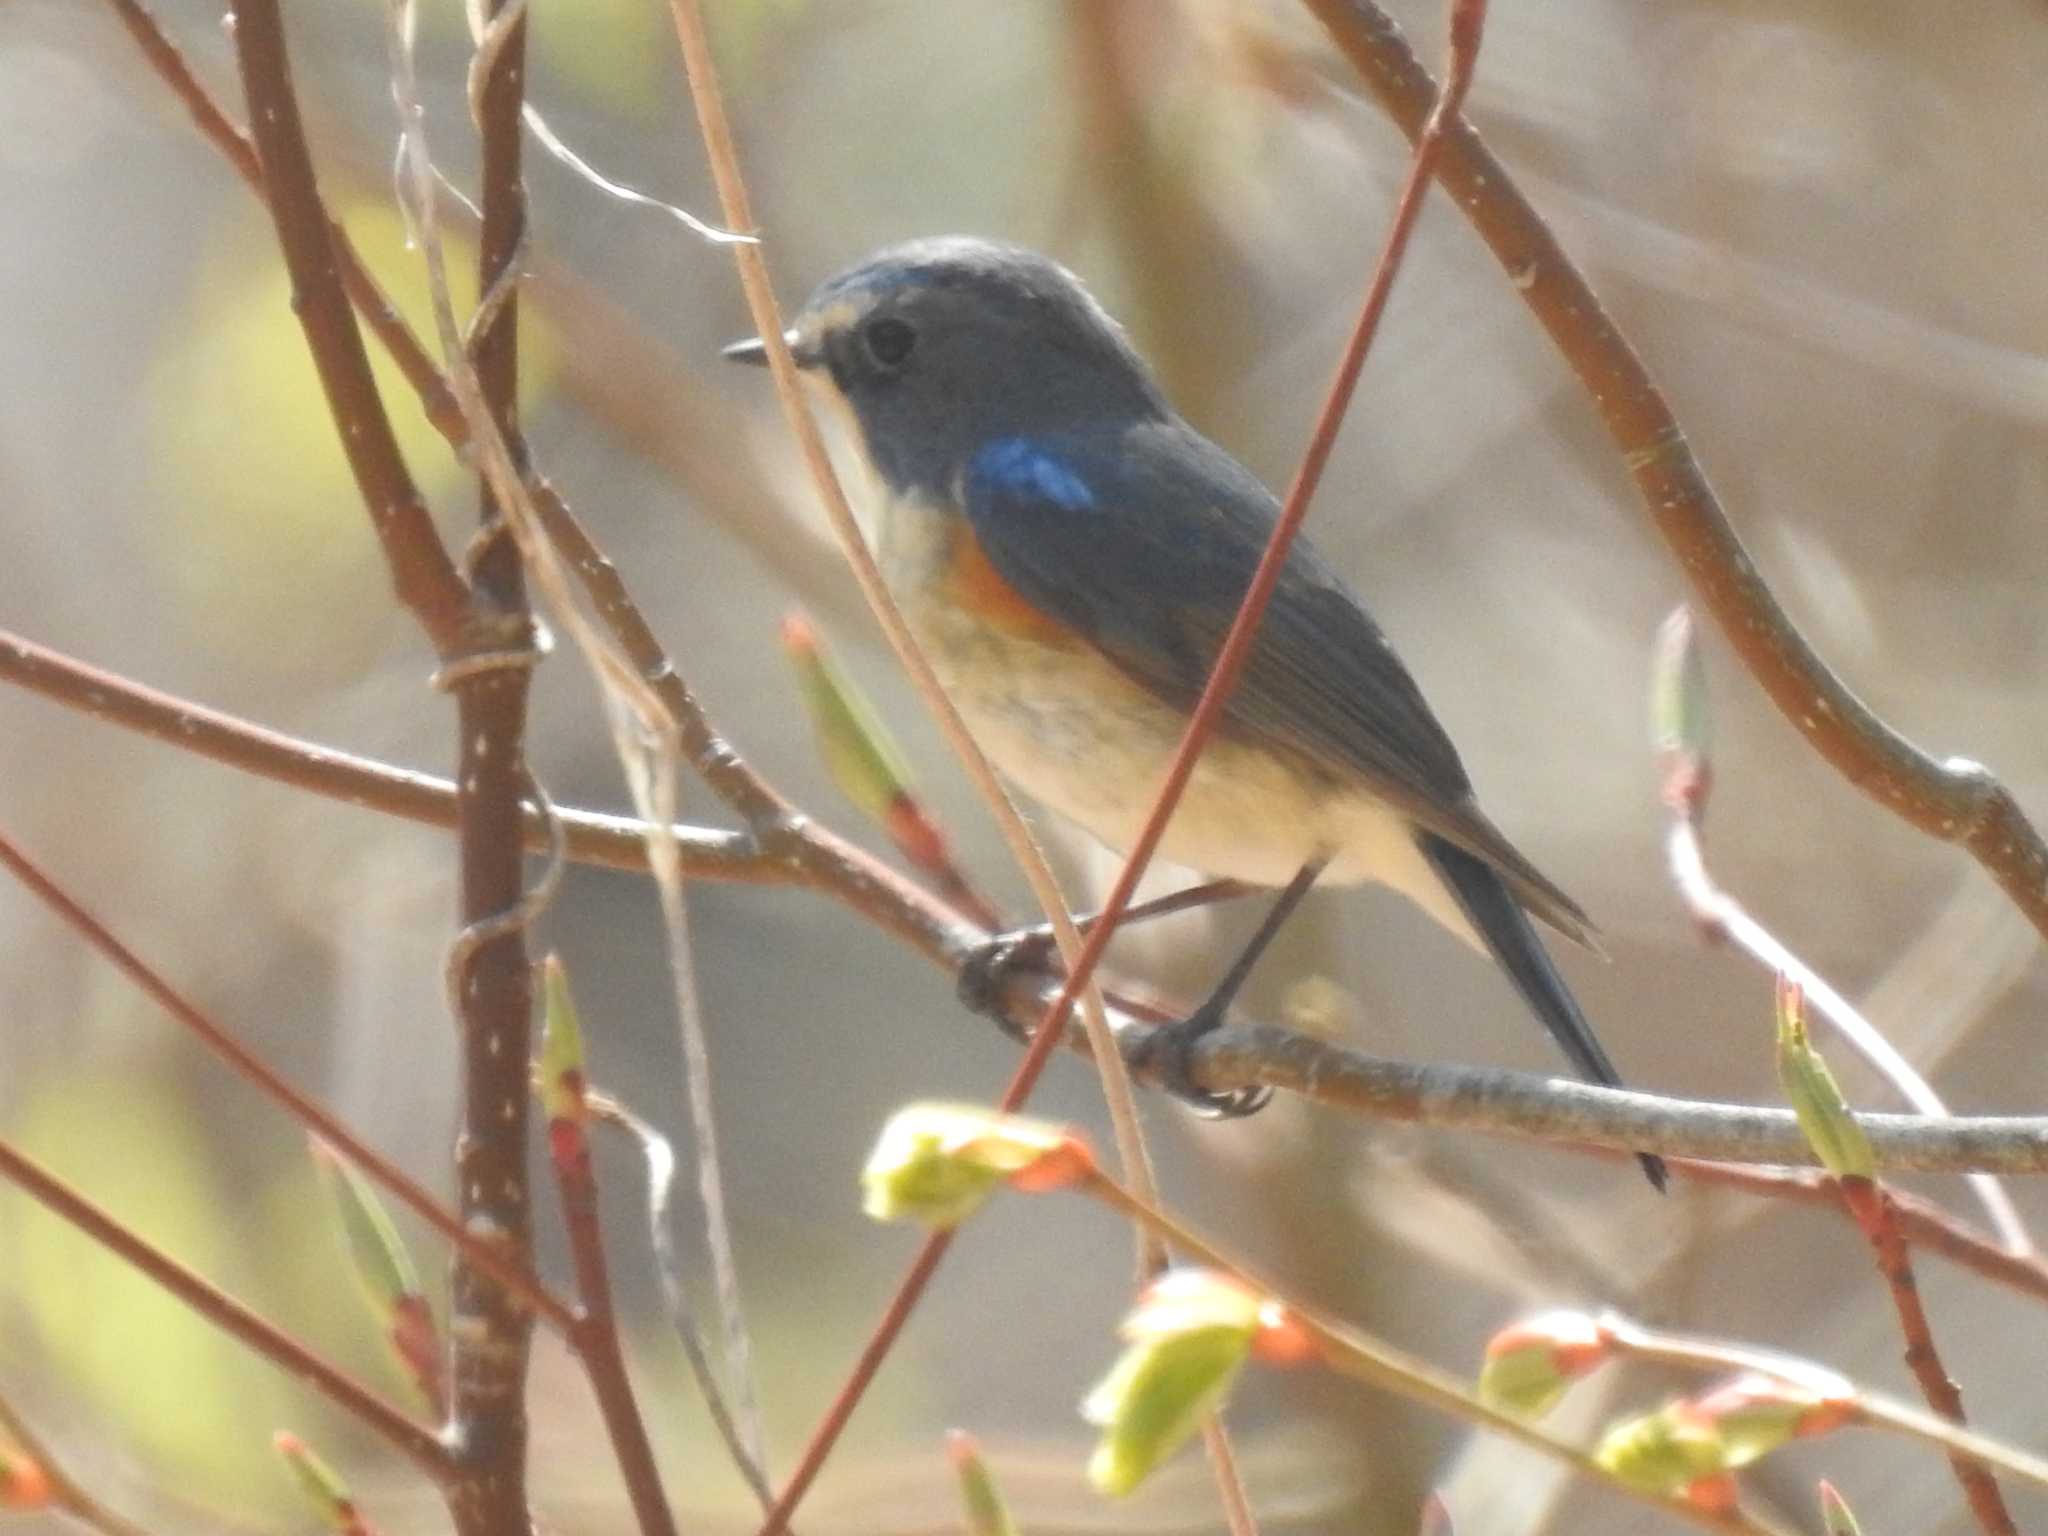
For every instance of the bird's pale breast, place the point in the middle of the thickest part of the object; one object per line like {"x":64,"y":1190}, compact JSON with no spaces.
{"x":1063,"y":723}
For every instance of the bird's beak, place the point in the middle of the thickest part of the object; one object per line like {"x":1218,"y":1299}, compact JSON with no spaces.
{"x":755,"y":351}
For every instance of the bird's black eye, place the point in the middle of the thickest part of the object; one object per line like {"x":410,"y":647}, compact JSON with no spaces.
{"x":888,"y":340}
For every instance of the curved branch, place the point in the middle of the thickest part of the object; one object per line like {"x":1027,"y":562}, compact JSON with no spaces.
{"x":1955,"y":800}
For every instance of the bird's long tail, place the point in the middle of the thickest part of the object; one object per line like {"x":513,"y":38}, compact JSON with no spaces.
{"x":1489,"y":906}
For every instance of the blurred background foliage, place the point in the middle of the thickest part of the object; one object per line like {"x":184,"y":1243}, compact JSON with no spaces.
{"x":1822,"y":224}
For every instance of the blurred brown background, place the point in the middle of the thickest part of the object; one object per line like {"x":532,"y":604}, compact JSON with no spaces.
{"x":1824,"y":227}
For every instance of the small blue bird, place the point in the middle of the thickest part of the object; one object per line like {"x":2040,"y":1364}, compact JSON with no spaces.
{"x":1070,"y":553}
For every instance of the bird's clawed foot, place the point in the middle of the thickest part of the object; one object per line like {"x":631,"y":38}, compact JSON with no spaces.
{"x":986,"y":973}
{"x":1169,"y":1049}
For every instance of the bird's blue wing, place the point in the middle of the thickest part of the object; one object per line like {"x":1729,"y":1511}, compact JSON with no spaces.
{"x":1144,"y":541}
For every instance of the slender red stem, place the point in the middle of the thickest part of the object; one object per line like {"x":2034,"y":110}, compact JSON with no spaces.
{"x":1870,"y":1204}
{"x":596,"y":1337}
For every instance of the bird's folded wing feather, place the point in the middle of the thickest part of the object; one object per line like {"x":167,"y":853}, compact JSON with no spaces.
{"x":1144,"y":541}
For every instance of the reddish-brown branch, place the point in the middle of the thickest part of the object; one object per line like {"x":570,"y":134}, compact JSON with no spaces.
{"x":418,"y":1443}
{"x":596,"y":1337}
{"x":301,"y":1108}
{"x":1871,"y":1208}
{"x":425,"y":578}
{"x":616,"y":842}
{"x":1956,"y":801}
{"x":1467,"y":16}
{"x":489,"y":973}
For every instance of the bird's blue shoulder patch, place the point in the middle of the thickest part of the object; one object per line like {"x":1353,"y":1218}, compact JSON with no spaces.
{"x":1019,"y":467}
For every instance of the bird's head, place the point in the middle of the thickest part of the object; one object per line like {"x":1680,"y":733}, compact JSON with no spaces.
{"x":938,"y":347}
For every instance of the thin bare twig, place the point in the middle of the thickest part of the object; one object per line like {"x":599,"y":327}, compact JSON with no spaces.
{"x":1955,"y":800}
{"x":646,"y":737}
{"x":597,"y":1332}
{"x":413,"y":1440}
{"x":370,"y":300}
{"x":1580,"y":1114}
{"x":1870,"y":1205}
{"x":1017,"y":836}
{"x":590,"y":837}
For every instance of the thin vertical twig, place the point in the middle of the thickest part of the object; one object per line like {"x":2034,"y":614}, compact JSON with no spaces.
{"x":1870,"y":1205}
{"x":597,"y":1331}
{"x":708,"y":100}
{"x":489,"y":971}
{"x":650,"y":727}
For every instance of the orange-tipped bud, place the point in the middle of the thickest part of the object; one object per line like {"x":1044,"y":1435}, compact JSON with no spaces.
{"x":321,"y":1485}
{"x":24,"y":1482}
{"x":1530,"y":1364}
{"x":936,"y":1163}
{"x":1716,"y":1495}
{"x":1185,"y":1300}
{"x":1754,"y":1414}
{"x":1188,"y":1337}
{"x":562,"y":1065}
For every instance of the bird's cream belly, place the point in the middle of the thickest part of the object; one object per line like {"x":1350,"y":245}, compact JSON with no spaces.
{"x":1072,"y":731}
{"x":1068,"y":728}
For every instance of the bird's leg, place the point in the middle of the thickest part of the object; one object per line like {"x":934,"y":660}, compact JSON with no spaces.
{"x":1170,"y":1044}
{"x":990,"y":964}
